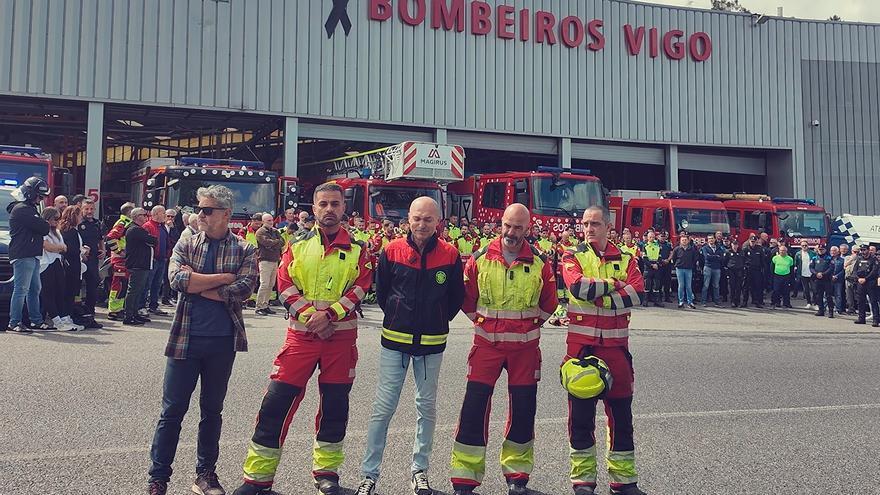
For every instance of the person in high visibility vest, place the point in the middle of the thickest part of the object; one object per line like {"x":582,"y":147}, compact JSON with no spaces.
{"x":419,"y":287}
{"x":453,"y":228}
{"x":323,"y":274}
{"x":119,"y":280}
{"x":510,"y":291}
{"x":652,"y":262}
{"x":603,"y":283}
{"x":250,"y":235}
{"x":384,"y":236}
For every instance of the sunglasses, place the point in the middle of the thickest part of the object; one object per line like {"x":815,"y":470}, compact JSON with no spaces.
{"x":207,"y":210}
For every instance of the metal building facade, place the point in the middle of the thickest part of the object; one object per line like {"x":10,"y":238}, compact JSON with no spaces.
{"x":762,"y":87}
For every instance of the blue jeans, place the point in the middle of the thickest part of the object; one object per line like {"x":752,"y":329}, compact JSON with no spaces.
{"x":154,"y":284}
{"x":685,"y":278}
{"x":210,"y":358}
{"x":840,"y":295}
{"x":392,"y":373}
{"x":25,"y":285}
{"x":711,"y":276}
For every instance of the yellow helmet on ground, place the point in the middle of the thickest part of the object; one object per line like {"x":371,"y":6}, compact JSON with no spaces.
{"x":585,"y":378}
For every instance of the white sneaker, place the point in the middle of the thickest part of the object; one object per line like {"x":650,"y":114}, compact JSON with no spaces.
{"x":808,"y":306}
{"x":144,"y":312}
{"x":59,"y":323}
{"x":70,"y":325}
{"x":367,"y":487}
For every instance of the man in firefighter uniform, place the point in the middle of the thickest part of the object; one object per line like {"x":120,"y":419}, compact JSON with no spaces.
{"x":651,"y":261}
{"x":510,"y":291}
{"x":864,"y":274}
{"x":603,"y":284}
{"x":116,"y":244}
{"x":322,"y":276}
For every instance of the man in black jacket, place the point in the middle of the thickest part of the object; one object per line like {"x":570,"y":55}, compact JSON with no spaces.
{"x":420,"y":286}
{"x":734,"y":262}
{"x":864,"y":274}
{"x":756,"y":267}
{"x":138,"y":261}
{"x":26,"y":229}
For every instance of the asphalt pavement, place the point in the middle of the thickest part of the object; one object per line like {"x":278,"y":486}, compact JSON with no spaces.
{"x":727,"y":401}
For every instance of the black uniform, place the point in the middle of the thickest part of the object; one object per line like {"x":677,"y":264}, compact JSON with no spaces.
{"x":755,"y":272}
{"x":822,"y":286}
{"x":734,"y":262}
{"x":666,"y":270}
{"x":866,"y":268}
{"x":91,"y":232}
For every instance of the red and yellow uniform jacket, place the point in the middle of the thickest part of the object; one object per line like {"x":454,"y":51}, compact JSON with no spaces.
{"x":318,"y":274}
{"x":602,"y":287}
{"x":508,"y":303}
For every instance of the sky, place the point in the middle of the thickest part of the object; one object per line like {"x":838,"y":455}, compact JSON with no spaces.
{"x":849,"y":10}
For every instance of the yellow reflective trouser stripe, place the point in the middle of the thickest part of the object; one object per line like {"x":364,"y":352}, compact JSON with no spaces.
{"x":261,"y":463}
{"x":583,"y":465}
{"x":114,"y":304}
{"x":517,"y":458}
{"x":622,"y":467}
{"x":407,"y":338}
{"x":468,"y":462}
{"x":327,"y":457}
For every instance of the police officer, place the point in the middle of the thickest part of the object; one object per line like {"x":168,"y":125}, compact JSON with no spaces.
{"x":89,"y":230}
{"x":723,"y":282}
{"x":864,"y":273}
{"x":651,"y":263}
{"x":734,"y":262}
{"x":821,"y":268}
{"x":755,"y":269}
{"x":874,"y":291}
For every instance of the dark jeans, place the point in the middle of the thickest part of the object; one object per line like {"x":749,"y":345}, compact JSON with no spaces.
{"x":137,"y":283}
{"x":211,"y":359}
{"x":840,"y":295}
{"x":52,"y":293}
{"x":781,"y":290}
{"x":154,"y":284}
{"x":807,"y":284}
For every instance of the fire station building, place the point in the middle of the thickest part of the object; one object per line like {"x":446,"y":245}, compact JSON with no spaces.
{"x":644,"y":96}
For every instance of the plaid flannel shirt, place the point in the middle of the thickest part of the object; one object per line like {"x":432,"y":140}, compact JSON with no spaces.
{"x":234,"y":255}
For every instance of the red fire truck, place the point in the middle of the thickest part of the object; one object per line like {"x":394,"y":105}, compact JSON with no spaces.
{"x":792,"y":219}
{"x":556,"y":199}
{"x":382,"y":183}
{"x":18,"y":163}
{"x":674,"y":212}
{"x":173,"y":182}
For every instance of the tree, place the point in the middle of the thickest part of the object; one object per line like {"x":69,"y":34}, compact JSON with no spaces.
{"x":729,"y":6}
{"x":835,"y":17}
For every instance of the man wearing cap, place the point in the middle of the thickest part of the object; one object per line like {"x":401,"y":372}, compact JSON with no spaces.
{"x":864,"y":274}
{"x":822,"y":269}
{"x":510,"y":291}
{"x":756,"y":265}
{"x":603,"y":284}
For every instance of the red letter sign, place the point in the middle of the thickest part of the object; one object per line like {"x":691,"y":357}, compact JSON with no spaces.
{"x":403,"y":12}
{"x":481,"y":23}
{"x":544,"y":27}
{"x":447,"y":18}
{"x":634,"y":39}
{"x":380,"y":10}
{"x":675,"y":50}
{"x":694,"y":44}
{"x":504,"y":21}
{"x":568,"y":39}
{"x":598,"y":42}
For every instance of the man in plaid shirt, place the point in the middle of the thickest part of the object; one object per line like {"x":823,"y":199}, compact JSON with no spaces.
{"x":214,"y":271}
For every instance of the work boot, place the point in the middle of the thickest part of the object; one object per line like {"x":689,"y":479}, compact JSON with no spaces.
{"x":133,"y":321}
{"x":463,"y":491}
{"x":116,"y":316}
{"x":419,"y":484}
{"x":206,"y":483}
{"x":327,"y":486}
{"x":142,"y":319}
{"x":517,"y":488}
{"x":157,"y":487}
{"x":819,"y":313}
{"x":628,"y":490}
{"x":875,"y":324}
{"x":831,"y":314}
{"x":658,"y":304}
{"x":860,"y":321}
{"x":584,"y":490}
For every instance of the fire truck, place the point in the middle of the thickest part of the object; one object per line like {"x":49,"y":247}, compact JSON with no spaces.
{"x":793,"y":219}
{"x":18,"y":163}
{"x":173,"y":182}
{"x":382,"y":183}
{"x":555,"y":198}
{"x":674,"y":212}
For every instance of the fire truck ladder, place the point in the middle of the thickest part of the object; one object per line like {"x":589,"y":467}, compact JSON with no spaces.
{"x":366,"y":164}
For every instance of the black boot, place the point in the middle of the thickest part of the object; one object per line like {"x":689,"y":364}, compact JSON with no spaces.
{"x":628,"y":490}
{"x":247,"y":489}
{"x":327,"y":486}
{"x":860,"y":321}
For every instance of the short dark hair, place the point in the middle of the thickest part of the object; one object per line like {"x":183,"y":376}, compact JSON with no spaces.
{"x":327,"y":186}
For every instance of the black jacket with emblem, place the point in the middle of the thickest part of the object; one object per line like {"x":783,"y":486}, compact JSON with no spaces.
{"x":420,"y":294}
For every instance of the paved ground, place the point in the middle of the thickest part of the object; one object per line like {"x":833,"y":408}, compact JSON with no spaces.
{"x":727,"y":402}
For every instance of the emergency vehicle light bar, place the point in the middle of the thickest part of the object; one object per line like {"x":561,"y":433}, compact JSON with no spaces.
{"x":684,"y":195}
{"x":811,"y":202}
{"x":23,"y":150}
{"x":196,"y":161}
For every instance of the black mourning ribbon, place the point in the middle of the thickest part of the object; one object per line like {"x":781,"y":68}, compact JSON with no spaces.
{"x":337,"y":15}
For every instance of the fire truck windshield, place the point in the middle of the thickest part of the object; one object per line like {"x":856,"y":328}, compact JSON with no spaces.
{"x":250,"y":197}
{"x":797,"y":223}
{"x":14,"y":173}
{"x":565,"y":197}
{"x":696,"y":221}
{"x":393,"y":202}
{"x":5,"y":199}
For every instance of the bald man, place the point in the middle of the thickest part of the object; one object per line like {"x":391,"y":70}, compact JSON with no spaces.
{"x":419,"y":287}
{"x":270,"y":245}
{"x":510,"y":291}
{"x":60,"y":203}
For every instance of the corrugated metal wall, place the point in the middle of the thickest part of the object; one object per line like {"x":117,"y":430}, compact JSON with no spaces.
{"x":274,"y":56}
{"x":842,"y":152}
